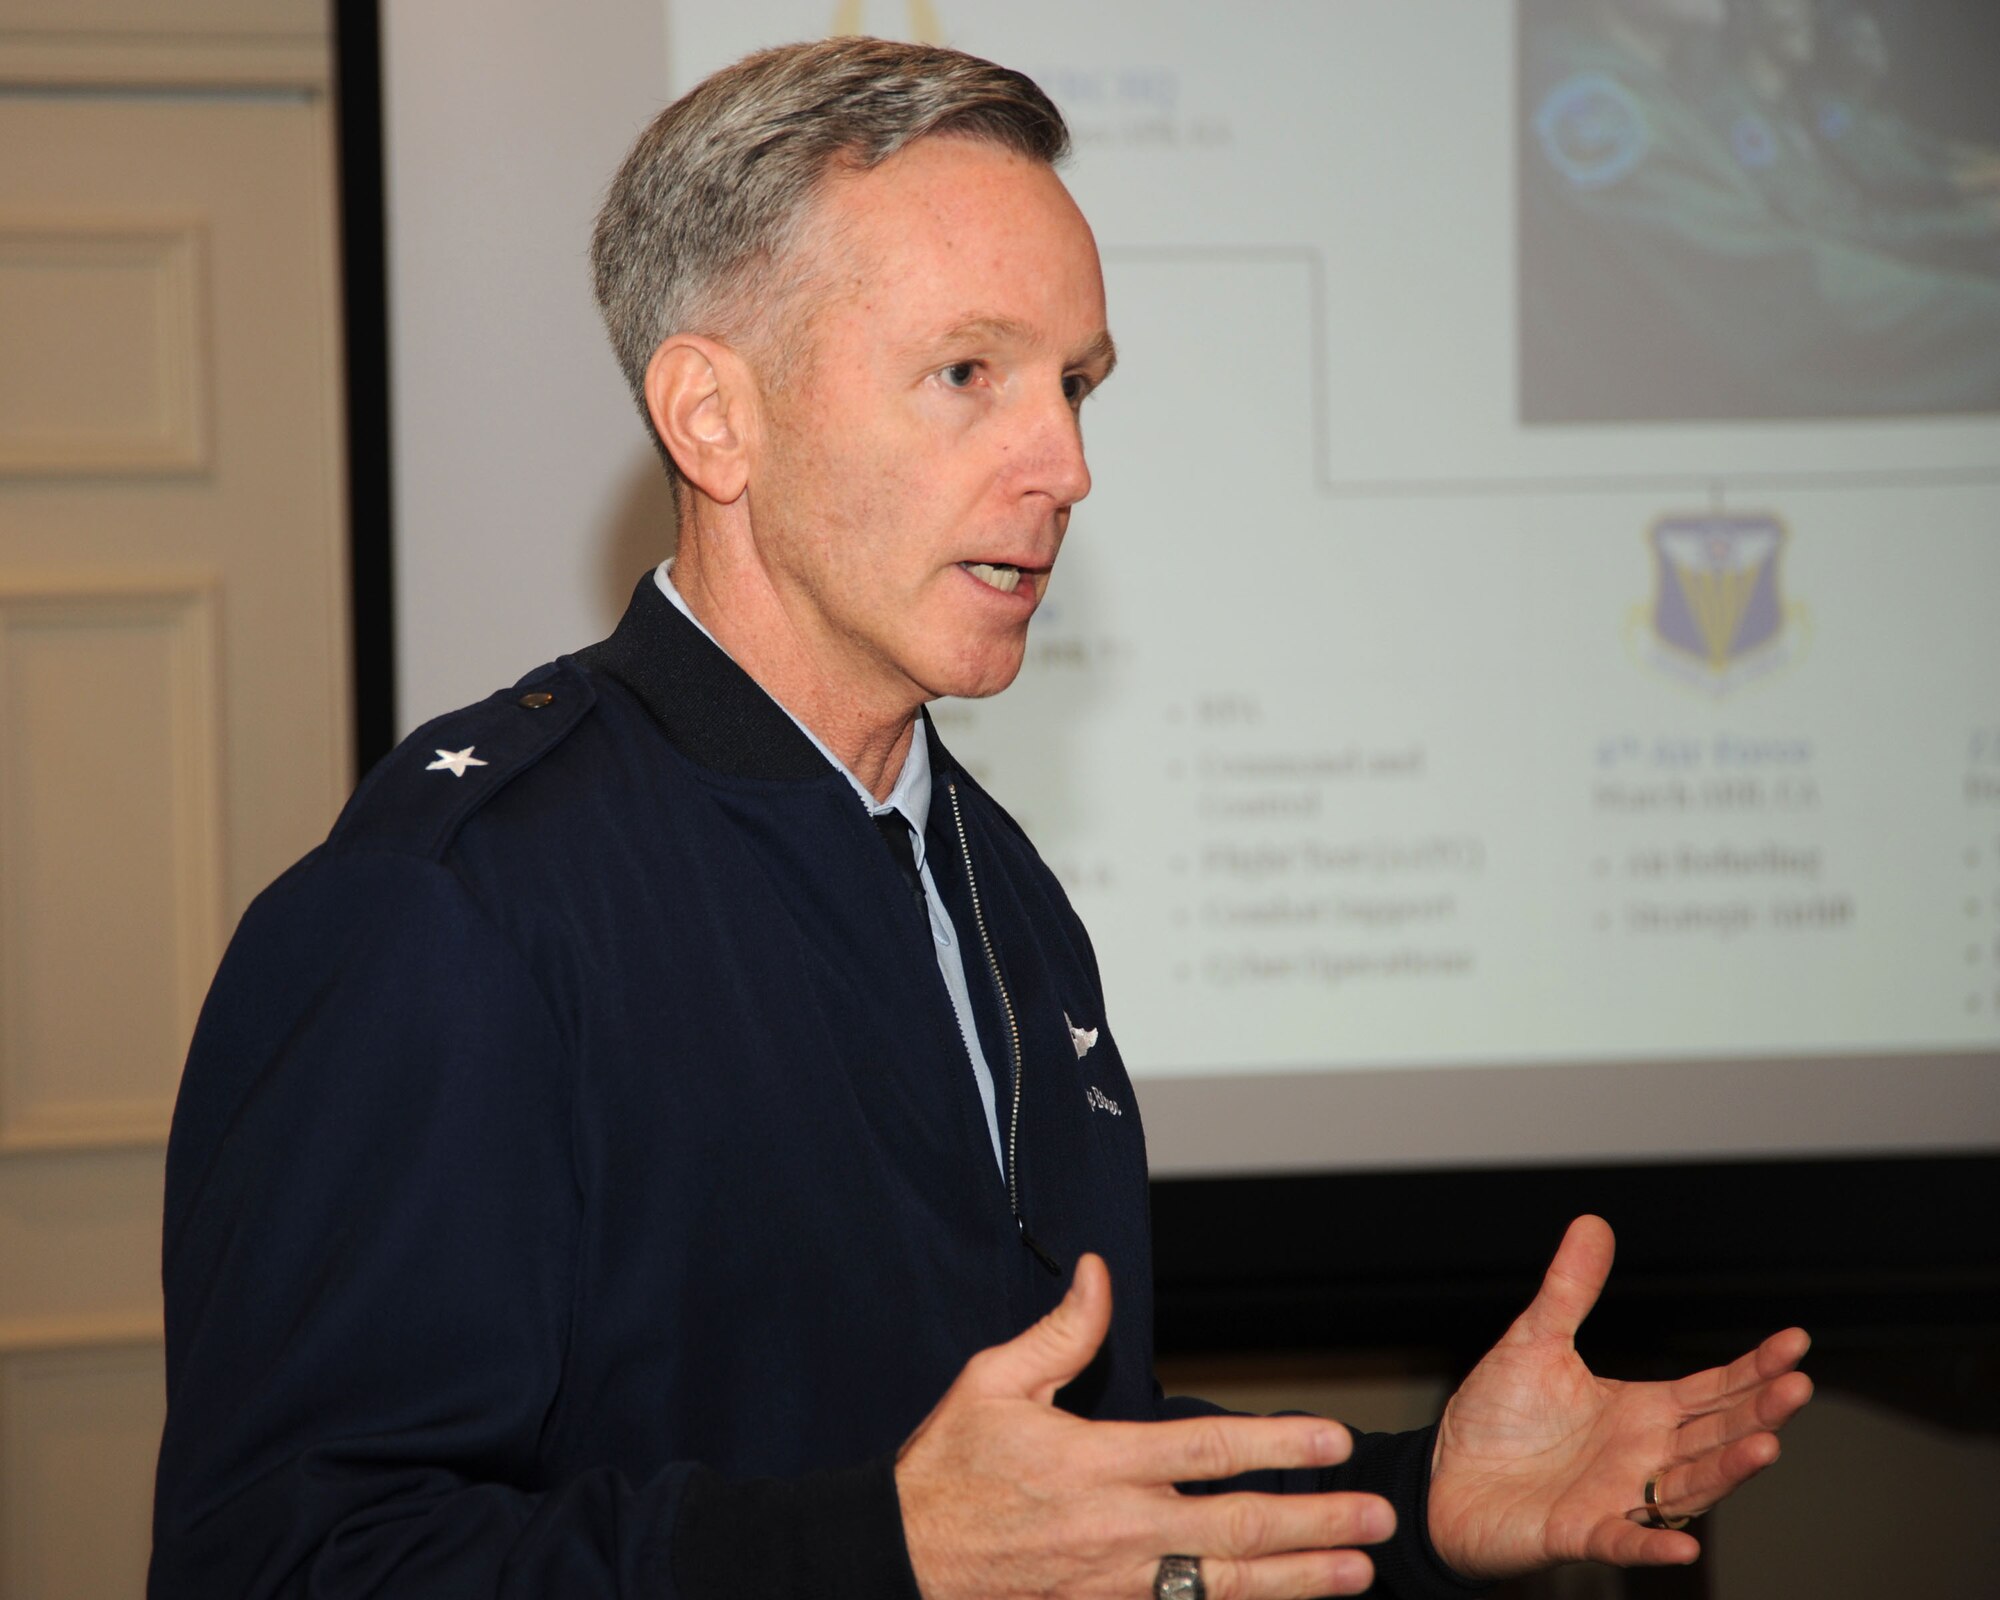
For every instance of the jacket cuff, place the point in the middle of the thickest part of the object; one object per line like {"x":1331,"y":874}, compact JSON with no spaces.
{"x":1397,"y":1466}
{"x":833,"y":1535}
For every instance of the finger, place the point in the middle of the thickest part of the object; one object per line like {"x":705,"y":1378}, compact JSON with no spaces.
{"x":1299,"y":1575}
{"x":1037,"y":1362}
{"x":1718,"y":1386}
{"x":1572,"y":1284}
{"x":1201,"y":1449}
{"x":1618,"y":1542}
{"x":1247,"y":1525}
{"x":1691,"y":1489}
{"x":1767,"y":1408}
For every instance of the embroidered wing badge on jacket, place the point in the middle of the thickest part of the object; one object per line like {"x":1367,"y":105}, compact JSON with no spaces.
{"x":1081,"y":1039}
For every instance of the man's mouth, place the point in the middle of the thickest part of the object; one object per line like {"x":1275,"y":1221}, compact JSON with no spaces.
{"x":995,"y":574}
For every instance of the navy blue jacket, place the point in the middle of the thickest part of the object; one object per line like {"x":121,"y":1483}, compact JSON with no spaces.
{"x":578,"y":1186}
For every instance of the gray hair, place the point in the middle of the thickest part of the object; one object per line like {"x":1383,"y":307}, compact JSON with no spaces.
{"x":700,"y":228}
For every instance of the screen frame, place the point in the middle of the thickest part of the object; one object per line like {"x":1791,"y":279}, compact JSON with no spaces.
{"x":364,"y":270}
{"x":1866,"y":1253}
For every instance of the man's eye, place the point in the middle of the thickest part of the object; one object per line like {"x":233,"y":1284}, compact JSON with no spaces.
{"x":959,"y":374}
{"x":1075,"y":387}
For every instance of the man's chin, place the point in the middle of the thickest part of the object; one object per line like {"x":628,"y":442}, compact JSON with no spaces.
{"x":977,"y":679}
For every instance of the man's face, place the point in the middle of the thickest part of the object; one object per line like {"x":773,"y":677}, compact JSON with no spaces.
{"x":913,"y":479}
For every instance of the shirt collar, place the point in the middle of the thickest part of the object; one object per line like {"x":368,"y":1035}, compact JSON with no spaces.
{"x":912,"y":792}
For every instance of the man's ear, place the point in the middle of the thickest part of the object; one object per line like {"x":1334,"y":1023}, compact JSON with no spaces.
{"x":703,"y":400}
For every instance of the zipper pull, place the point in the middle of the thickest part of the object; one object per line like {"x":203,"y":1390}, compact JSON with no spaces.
{"x":1048,"y":1261}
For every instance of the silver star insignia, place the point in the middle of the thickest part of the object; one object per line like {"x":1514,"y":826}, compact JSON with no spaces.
{"x":455,"y":761}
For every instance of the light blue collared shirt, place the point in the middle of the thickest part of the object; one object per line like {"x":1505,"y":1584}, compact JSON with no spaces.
{"x":912,"y":797}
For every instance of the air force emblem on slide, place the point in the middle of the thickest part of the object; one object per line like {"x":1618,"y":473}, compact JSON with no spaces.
{"x":1718,"y":616}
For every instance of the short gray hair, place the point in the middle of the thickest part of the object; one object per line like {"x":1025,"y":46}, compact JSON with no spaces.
{"x":700,"y":224}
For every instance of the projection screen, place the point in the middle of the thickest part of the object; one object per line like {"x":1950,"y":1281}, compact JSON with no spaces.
{"x":1525,"y":685}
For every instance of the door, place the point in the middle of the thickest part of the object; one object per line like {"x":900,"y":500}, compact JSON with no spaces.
{"x":173,"y":668}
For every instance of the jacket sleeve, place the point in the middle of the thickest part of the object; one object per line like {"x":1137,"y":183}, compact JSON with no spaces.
{"x":1396,"y":1466}
{"x":372,"y":1220}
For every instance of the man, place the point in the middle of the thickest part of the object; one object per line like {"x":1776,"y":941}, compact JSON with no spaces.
{"x":643,"y":1150}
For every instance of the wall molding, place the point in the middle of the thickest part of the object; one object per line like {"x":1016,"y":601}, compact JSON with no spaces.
{"x":135,"y":1330}
{"x":43,"y":60}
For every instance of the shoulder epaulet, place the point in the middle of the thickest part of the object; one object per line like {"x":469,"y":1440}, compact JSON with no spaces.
{"x":418,"y":796}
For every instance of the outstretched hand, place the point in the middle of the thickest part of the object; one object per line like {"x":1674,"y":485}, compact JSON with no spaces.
{"x":1539,"y":1461}
{"x":1003,"y":1494}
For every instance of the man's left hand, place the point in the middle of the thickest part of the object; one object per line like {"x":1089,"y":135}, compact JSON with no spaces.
{"x":1539,"y":1461}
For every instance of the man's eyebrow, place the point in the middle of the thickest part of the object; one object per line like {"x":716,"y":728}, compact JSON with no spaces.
{"x":1100,"y":351}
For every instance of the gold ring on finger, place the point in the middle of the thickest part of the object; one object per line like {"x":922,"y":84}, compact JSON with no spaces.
{"x":1653,"y":1516}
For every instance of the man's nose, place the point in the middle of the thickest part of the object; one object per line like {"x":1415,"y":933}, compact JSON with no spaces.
{"x":1060,"y":471}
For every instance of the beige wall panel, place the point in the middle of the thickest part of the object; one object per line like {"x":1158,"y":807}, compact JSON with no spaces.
{"x":251,"y":173}
{"x":110,"y":881}
{"x":79,"y":1433}
{"x":123,"y":18}
{"x":79,"y":1243}
{"x":101,"y":349}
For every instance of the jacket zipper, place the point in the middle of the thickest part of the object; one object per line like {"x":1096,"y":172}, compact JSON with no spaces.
{"x":1013,"y":1037}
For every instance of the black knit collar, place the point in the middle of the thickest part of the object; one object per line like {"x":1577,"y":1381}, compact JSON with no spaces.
{"x":713,"y":712}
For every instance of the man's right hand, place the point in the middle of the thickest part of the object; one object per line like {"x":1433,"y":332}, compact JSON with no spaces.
{"x":1003,"y":1494}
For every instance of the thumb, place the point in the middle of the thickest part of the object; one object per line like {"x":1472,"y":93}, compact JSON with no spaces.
{"x":1038,"y":1361}
{"x":1572,"y":1284}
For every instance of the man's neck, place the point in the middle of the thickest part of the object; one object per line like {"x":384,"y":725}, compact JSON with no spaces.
{"x":744,"y":617}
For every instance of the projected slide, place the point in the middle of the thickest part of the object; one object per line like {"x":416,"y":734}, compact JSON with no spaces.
{"x":1727,"y":213}
{"x":1489,"y":640}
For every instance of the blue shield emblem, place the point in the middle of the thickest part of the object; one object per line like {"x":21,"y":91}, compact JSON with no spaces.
{"x":1715,"y":586}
